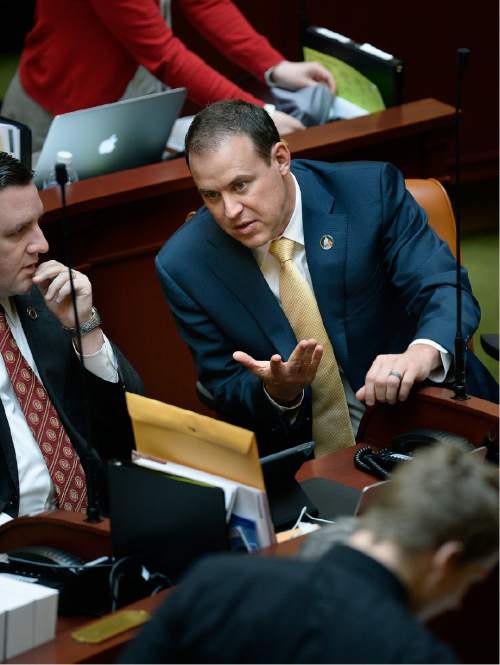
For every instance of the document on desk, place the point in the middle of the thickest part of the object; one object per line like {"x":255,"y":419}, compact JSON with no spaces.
{"x":168,"y":433}
{"x":241,"y":501}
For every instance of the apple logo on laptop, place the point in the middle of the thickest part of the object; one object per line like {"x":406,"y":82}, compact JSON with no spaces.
{"x":108,"y":145}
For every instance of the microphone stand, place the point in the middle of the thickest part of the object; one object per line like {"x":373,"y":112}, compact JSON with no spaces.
{"x":459,"y":386}
{"x":91,"y":465}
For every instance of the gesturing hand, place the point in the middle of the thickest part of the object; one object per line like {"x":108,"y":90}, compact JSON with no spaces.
{"x":285,"y":380}
{"x":391,"y":376}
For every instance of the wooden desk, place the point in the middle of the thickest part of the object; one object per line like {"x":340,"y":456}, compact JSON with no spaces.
{"x":120,"y":221}
{"x":473,"y":641}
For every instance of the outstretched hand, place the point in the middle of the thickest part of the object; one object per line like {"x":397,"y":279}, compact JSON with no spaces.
{"x":391,"y":376}
{"x":285,"y":380}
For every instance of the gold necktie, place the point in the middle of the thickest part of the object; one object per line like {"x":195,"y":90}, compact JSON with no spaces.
{"x":331,"y":423}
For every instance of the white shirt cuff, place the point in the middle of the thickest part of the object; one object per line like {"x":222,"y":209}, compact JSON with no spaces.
{"x":439,"y":374}
{"x":103,"y":362}
{"x":4,"y":518}
{"x":284,"y":409}
{"x":270,"y":108}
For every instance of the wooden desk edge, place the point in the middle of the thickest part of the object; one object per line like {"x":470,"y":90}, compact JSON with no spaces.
{"x":173,"y":175}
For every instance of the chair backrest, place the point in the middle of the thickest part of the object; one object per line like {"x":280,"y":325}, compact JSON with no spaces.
{"x":433,"y":198}
{"x":430,"y":194}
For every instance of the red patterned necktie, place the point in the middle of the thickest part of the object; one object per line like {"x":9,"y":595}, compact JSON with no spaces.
{"x":60,"y":457}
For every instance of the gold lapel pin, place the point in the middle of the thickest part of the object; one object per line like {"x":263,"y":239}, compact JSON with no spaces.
{"x":32,"y":313}
{"x":326,"y":242}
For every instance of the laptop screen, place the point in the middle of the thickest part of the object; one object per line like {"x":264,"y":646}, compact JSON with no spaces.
{"x":112,"y":137}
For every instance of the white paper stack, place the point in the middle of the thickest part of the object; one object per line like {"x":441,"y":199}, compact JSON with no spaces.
{"x":28,"y":616}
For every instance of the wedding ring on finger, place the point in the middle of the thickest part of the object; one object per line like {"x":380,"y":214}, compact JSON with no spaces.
{"x":395,"y":373}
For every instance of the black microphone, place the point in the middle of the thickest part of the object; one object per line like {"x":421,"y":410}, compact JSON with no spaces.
{"x":459,"y":386}
{"x":90,"y":458}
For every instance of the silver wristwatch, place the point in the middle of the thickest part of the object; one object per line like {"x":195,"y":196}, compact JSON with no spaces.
{"x":89,"y":325}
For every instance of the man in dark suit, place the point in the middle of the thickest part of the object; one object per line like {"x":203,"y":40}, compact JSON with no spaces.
{"x":45,"y":410}
{"x":369,"y":306}
{"x":431,"y":534}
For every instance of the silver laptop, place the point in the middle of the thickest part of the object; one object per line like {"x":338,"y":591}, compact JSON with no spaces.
{"x":112,"y":137}
{"x":370,"y":494}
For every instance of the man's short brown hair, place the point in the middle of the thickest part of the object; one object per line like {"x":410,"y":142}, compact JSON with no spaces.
{"x":217,"y":122}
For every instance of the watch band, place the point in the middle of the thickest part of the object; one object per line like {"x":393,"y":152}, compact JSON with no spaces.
{"x":87,"y":326}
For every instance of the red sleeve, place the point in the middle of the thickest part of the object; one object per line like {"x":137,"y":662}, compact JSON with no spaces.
{"x":225,"y":27}
{"x":139,"y":26}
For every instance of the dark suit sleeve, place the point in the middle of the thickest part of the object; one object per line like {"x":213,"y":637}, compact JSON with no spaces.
{"x":238,"y":394}
{"x":186,"y":620}
{"x":421,"y":266}
{"x":112,"y":432}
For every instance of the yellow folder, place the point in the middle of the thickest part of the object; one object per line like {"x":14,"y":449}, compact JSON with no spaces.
{"x":177,"y":435}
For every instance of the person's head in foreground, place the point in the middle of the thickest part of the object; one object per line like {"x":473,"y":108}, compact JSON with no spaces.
{"x":436,"y":526}
{"x":432,"y":533}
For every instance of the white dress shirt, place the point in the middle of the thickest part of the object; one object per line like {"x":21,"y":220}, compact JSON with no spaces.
{"x":270,"y":268}
{"x":35,"y":485}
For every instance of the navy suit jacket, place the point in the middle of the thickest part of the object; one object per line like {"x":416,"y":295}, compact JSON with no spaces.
{"x":59,"y":369}
{"x":388,"y":279}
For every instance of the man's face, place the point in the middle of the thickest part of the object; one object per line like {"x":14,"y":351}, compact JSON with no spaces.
{"x":251,"y":200}
{"x":21,"y":239}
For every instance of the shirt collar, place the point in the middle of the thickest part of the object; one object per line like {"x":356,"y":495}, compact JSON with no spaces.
{"x":294,"y":230}
{"x":9,"y":307}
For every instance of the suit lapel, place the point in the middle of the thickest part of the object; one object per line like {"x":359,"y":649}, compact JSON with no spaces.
{"x":38,"y":322}
{"x":326,"y":266}
{"x":235,"y":266}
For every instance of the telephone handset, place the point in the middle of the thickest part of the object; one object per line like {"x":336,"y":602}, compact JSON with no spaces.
{"x":82,"y":585}
{"x":380,"y":463}
{"x":27,"y":560}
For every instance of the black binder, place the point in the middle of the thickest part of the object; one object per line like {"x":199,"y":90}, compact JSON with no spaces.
{"x":24,"y":152}
{"x":386,"y":74}
{"x":163,"y":521}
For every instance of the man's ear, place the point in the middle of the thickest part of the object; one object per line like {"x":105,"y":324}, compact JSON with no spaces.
{"x":447,"y":557}
{"x":280,"y":155}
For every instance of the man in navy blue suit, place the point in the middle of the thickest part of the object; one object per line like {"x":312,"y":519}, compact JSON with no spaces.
{"x":382,"y":280}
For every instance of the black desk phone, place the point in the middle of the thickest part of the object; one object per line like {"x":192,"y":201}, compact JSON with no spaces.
{"x":380,"y":463}
{"x":82,"y":585}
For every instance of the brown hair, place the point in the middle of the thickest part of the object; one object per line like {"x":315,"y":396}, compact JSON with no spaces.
{"x":217,"y":122}
{"x":443,"y":494}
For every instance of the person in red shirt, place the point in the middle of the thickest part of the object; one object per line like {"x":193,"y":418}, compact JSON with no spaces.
{"x":87,"y":55}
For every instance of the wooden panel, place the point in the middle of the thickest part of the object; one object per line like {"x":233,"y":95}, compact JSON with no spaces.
{"x":426,"y":37}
